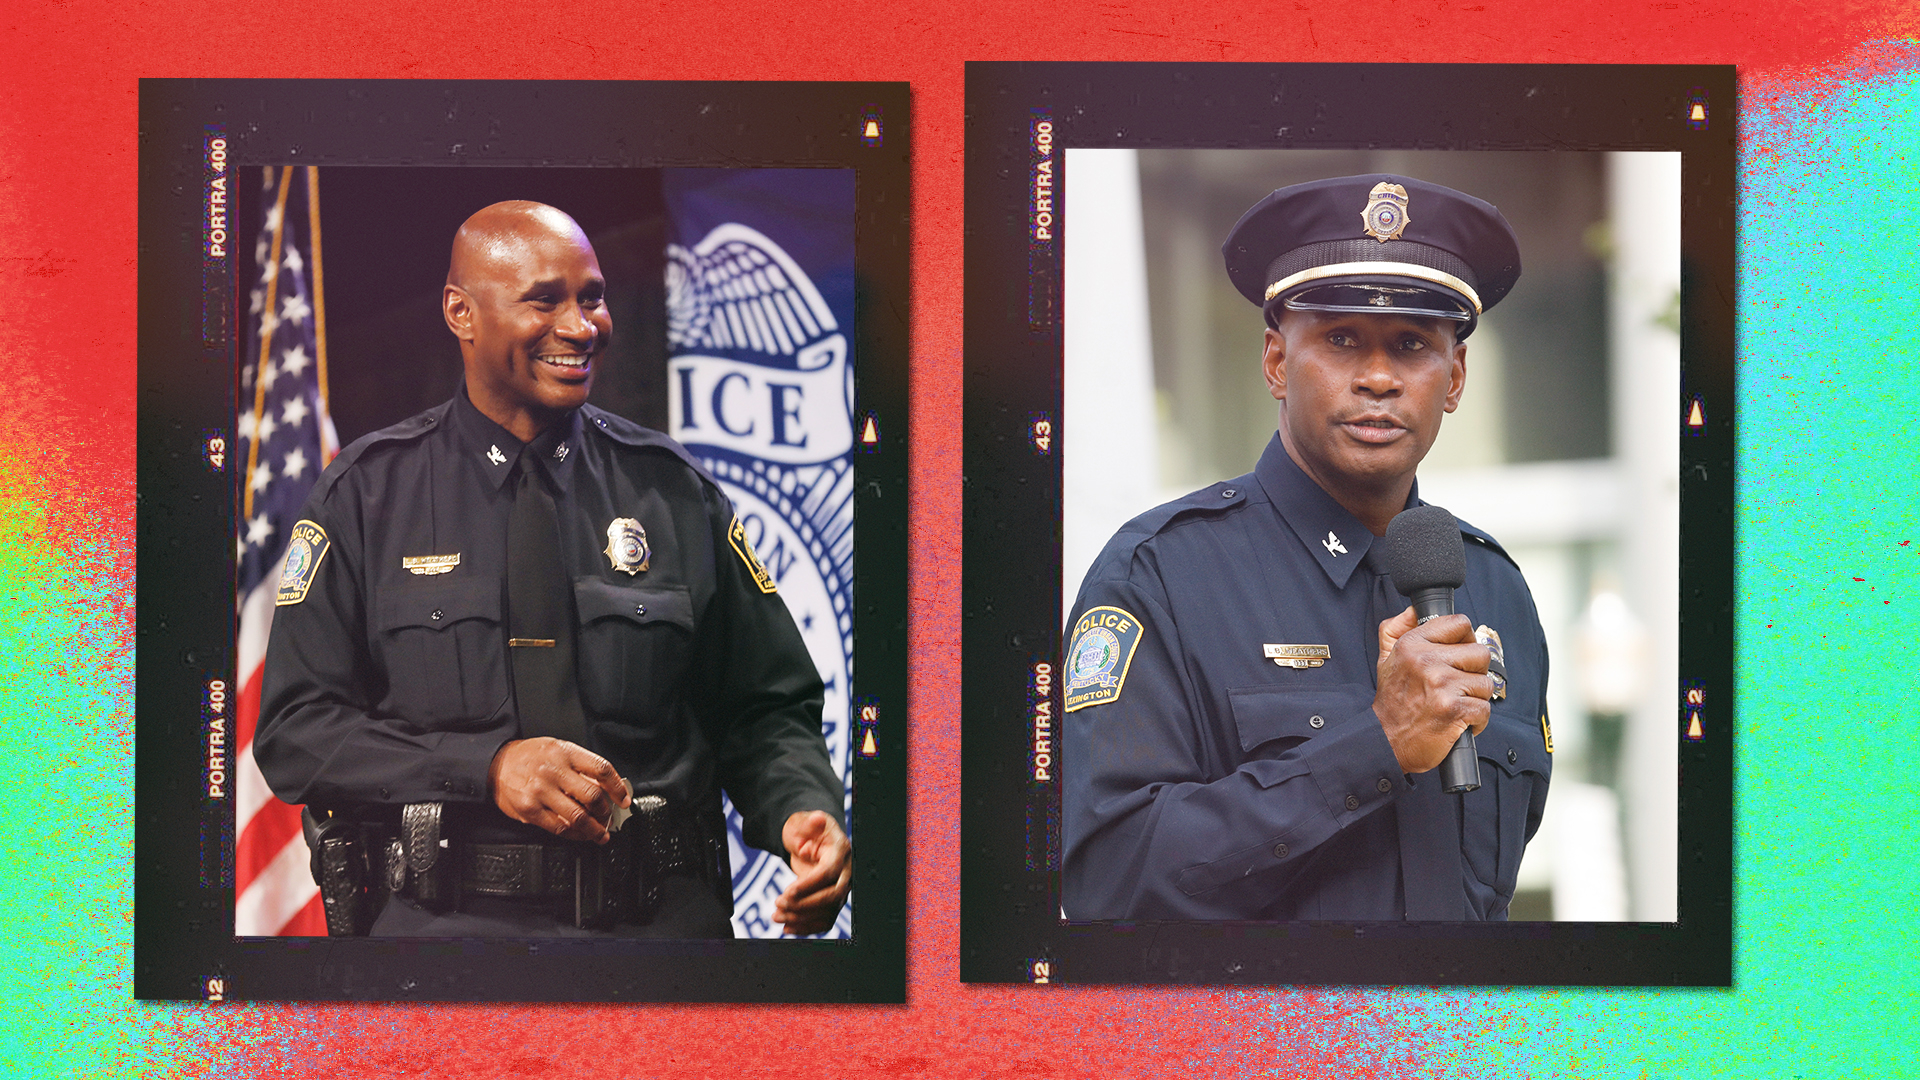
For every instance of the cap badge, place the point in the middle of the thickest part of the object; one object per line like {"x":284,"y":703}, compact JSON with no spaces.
{"x":627,"y":545}
{"x":1386,"y":212}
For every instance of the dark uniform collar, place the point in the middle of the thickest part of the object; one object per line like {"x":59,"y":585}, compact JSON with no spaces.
{"x":1335,"y":538}
{"x":493,"y":449}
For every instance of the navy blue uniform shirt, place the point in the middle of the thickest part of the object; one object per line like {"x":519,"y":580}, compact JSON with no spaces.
{"x":1202,"y":780}
{"x":385,"y":685}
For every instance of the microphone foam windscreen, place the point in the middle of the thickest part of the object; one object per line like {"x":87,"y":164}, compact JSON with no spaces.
{"x":1424,"y":550}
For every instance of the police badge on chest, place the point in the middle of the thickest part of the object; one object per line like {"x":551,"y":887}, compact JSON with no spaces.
{"x":627,"y":545}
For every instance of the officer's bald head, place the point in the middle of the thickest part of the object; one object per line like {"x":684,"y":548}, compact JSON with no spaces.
{"x":497,"y":239}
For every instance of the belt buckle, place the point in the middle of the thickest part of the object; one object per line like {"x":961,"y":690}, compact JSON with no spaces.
{"x":600,"y":880}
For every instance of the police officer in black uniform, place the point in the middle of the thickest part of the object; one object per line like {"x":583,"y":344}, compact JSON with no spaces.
{"x":521,"y":644}
{"x":1252,"y":715}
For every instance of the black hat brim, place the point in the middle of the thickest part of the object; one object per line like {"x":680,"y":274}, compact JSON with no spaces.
{"x":1374,"y":293}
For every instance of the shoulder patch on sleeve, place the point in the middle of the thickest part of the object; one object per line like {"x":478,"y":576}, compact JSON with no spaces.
{"x":737,"y":536}
{"x":304,"y":552}
{"x":1098,"y":656}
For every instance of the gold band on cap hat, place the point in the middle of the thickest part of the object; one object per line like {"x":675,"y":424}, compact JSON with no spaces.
{"x":1398,"y":269}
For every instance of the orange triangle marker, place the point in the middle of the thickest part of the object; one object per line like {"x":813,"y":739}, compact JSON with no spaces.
{"x":1693,"y":728}
{"x":867,"y":749}
{"x":1695,"y":418}
{"x":870,"y":435}
{"x":1699,"y":112}
{"x":873,"y":129}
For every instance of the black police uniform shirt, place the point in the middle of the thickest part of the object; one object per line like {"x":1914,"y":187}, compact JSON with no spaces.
{"x":385,"y":686}
{"x":1203,"y":780}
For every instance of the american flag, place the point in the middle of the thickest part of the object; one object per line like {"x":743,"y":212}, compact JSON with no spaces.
{"x":286,"y":439}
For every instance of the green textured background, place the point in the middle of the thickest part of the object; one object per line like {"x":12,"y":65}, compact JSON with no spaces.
{"x":1825,"y":967}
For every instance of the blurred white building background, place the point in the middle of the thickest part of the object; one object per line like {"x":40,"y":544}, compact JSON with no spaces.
{"x":1565,"y":447}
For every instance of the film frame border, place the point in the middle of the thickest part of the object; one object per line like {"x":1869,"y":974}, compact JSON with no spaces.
{"x":1010,"y":884}
{"x":185,"y":623}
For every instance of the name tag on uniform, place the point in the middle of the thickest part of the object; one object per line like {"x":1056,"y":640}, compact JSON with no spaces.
{"x":1297,"y":656}
{"x":430,"y":564}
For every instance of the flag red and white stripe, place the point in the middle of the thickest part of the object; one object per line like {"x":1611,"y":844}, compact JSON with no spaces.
{"x":289,"y":438}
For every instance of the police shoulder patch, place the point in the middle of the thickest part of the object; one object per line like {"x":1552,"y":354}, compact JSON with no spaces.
{"x":304,"y":552}
{"x":1098,"y":656}
{"x":737,"y":536}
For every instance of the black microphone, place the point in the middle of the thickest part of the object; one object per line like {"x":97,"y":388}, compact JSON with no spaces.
{"x":1427,"y":562}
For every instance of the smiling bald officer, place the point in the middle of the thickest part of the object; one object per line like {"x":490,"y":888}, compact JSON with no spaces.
{"x":521,"y":644}
{"x":1252,"y":717}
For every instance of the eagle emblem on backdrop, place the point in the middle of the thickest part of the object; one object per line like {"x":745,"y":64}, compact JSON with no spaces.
{"x":760,"y":390}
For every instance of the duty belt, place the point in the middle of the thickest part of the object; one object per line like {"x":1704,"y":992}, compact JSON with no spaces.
{"x":596,"y":885}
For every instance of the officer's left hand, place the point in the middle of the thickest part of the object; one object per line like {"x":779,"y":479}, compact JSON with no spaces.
{"x":1433,"y":682}
{"x":822,"y":861}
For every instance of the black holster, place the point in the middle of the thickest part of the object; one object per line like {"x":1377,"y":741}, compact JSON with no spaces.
{"x":340,"y":857}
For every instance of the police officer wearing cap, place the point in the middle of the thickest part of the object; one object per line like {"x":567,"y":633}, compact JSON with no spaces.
{"x":1252,"y":715}
{"x":521,"y":645}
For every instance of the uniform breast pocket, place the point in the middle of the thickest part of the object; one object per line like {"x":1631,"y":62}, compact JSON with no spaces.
{"x":1270,"y":721}
{"x":634,"y":645}
{"x":1514,"y":769}
{"x":440,"y":644}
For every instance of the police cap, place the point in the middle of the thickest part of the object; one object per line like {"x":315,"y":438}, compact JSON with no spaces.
{"x":1374,"y":243}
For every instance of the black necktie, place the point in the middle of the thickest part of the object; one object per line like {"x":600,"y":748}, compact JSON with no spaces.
{"x":540,"y":617}
{"x":1430,"y":870}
